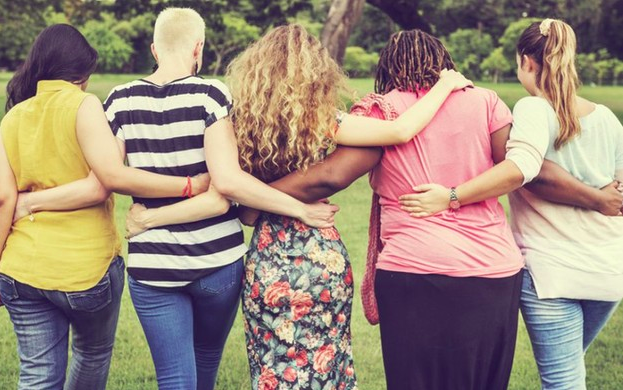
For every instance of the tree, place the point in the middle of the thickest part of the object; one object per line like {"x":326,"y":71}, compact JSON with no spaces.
{"x":496,"y":64}
{"x":373,"y":30}
{"x":114,"y":51}
{"x":342,"y":17}
{"x":20,"y":23}
{"x":406,"y":13}
{"x":511,"y":35}
{"x":469,"y":47}
{"x":237,"y":34}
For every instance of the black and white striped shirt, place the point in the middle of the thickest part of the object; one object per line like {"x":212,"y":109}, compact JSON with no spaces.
{"x":163,"y":131}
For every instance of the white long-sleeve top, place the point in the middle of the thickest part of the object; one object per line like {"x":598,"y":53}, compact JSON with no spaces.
{"x":569,"y":251}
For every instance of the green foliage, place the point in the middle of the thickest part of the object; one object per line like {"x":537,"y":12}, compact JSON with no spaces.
{"x":20,"y":23}
{"x":373,"y":30}
{"x":585,"y":65}
{"x":496,"y":64}
{"x":114,"y":51}
{"x":235,"y":36}
{"x":358,"y":62}
{"x":469,"y":47}
{"x":511,"y":35}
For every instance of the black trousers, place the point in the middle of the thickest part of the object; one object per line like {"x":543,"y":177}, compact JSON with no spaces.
{"x":447,"y":333}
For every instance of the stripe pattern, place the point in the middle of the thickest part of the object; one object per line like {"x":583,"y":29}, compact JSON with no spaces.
{"x":163,"y":128}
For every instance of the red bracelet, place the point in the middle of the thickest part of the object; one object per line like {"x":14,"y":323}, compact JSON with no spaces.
{"x":188,"y":189}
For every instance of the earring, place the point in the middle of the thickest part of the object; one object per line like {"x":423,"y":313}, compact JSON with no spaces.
{"x":196,"y":68}
{"x":155,"y":67}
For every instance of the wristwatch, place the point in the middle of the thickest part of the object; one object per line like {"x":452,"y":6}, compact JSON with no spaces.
{"x":454,"y":200}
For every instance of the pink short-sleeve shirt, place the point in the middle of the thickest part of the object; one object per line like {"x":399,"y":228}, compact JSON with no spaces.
{"x":455,"y":147}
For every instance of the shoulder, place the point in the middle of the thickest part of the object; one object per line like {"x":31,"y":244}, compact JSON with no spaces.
{"x":374,"y":104}
{"x":121,"y":91}
{"x":213,"y":88}
{"x":529,"y":103}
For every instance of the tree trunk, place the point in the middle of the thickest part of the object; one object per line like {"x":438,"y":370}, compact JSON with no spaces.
{"x":343,"y":15}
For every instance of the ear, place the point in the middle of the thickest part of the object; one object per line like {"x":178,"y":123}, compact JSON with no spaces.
{"x":153,"y":51}
{"x":198,"y":51}
{"x":528,"y":64}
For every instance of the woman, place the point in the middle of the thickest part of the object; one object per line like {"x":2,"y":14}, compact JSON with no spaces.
{"x":185,"y":278}
{"x":298,"y":286}
{"x":62,"y":270}
{"x":574,"y":277}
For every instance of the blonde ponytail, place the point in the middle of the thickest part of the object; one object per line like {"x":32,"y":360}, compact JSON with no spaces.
{"x":552,"y":44}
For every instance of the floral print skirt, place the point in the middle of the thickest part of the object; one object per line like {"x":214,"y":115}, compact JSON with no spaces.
{"x":297,"y":299}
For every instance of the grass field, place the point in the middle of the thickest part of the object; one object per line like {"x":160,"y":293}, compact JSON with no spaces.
{"x":132,"y":367}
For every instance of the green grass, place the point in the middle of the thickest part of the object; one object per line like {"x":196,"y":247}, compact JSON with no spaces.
{"x":132,"y":367}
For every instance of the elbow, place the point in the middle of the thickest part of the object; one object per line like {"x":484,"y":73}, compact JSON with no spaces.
{"x":225,"y":186}
{"x":336,"y":181}
{"x":8,"y":199}
{"x":100,"y":193}
{"x":222,"y":206}
{"x":402,"y":135}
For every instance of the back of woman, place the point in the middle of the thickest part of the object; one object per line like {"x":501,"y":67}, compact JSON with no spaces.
{"x":454,"y":147}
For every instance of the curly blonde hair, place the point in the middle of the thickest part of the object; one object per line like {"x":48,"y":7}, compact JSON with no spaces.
{"x":286,"y":91}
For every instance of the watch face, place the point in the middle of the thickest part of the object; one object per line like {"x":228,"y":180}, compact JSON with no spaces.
{"x":455,"y":205}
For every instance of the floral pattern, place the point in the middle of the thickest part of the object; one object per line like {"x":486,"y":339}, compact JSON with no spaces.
{"x":297,"y":299}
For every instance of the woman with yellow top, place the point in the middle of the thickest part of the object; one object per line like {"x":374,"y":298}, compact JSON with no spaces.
{"x":62,"y":268}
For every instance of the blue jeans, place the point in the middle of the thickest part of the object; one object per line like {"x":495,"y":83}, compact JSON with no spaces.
{"x":561,"y":331}
{"x":42,"y":318}
{"x":186,"y":327}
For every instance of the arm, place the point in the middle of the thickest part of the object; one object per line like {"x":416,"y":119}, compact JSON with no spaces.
{"x":556,"y":185}
{"x":75,"y":195}
{"x":105,"y":159}
{"x":340,"y":169}
{"x":8,"y":196}
{"x":235,"y":184}
{"x":362,"y":131}
{"x":206,"y":205}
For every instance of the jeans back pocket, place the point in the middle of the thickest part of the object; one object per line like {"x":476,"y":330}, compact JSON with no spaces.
{"x":93,"y":299}
{"x":8,"y":291}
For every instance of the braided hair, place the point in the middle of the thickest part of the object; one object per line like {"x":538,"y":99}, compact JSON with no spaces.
{"x":411,"y":60}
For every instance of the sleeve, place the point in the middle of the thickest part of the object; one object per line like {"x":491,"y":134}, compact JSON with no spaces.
{"x":111,"y":107}
{"x":218,"y":103}
{"x":529,"y":137}
{"x":500,"y":114}
{"x":373,"y":106}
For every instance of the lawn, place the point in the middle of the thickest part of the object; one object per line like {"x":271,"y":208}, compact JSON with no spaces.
{"x":132,"y":367}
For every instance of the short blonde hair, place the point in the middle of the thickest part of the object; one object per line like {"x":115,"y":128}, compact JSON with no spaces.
{"x":286,"y":91}
{"x":178,"y":30}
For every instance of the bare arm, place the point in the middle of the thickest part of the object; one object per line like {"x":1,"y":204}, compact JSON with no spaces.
{"x":340,"y":169}
{"x":8,"y":196}
{"x":235,"y":184}
{"x":556,"y":185}
{"x":75,"y":195}
{"x":105,"y":159}
{"x":363,"y":131}
{"x":207,"y":205}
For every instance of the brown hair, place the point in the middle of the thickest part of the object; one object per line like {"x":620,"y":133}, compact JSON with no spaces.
{"x":411,"y":60}
{"x":286,"y":91}
{"x":551,"y":44}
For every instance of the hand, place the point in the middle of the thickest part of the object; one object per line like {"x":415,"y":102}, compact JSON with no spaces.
{"x":455,"y":80}
{"x":428,"y":200}
{"x":135,"y":220}
{"x":200,"y":183}
{"x":21,"y":206}
{"x":319,"y":214}
{"x":611,"y":199}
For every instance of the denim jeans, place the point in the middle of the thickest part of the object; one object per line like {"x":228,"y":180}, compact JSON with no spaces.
{"x":42,"y":318}
{"x":186,"y":327}
{"x":561,"y":331}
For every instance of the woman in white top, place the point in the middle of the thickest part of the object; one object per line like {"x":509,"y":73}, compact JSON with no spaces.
{"x":573,"y":255}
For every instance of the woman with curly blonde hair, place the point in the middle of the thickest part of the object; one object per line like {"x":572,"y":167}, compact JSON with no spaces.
{"x":298,"y":288}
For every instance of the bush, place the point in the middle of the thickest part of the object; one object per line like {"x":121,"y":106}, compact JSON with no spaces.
{"x":359,"y":63}
{"x":114,"y":51}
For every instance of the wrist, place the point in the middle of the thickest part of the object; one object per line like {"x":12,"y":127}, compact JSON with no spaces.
{"x":454,"y":203}
{"x":147,"y":218}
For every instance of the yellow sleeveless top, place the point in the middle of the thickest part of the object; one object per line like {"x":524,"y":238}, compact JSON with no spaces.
{"x":67,"y":250}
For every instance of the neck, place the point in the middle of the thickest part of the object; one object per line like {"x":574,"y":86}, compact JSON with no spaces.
{"x":172,"y":68}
